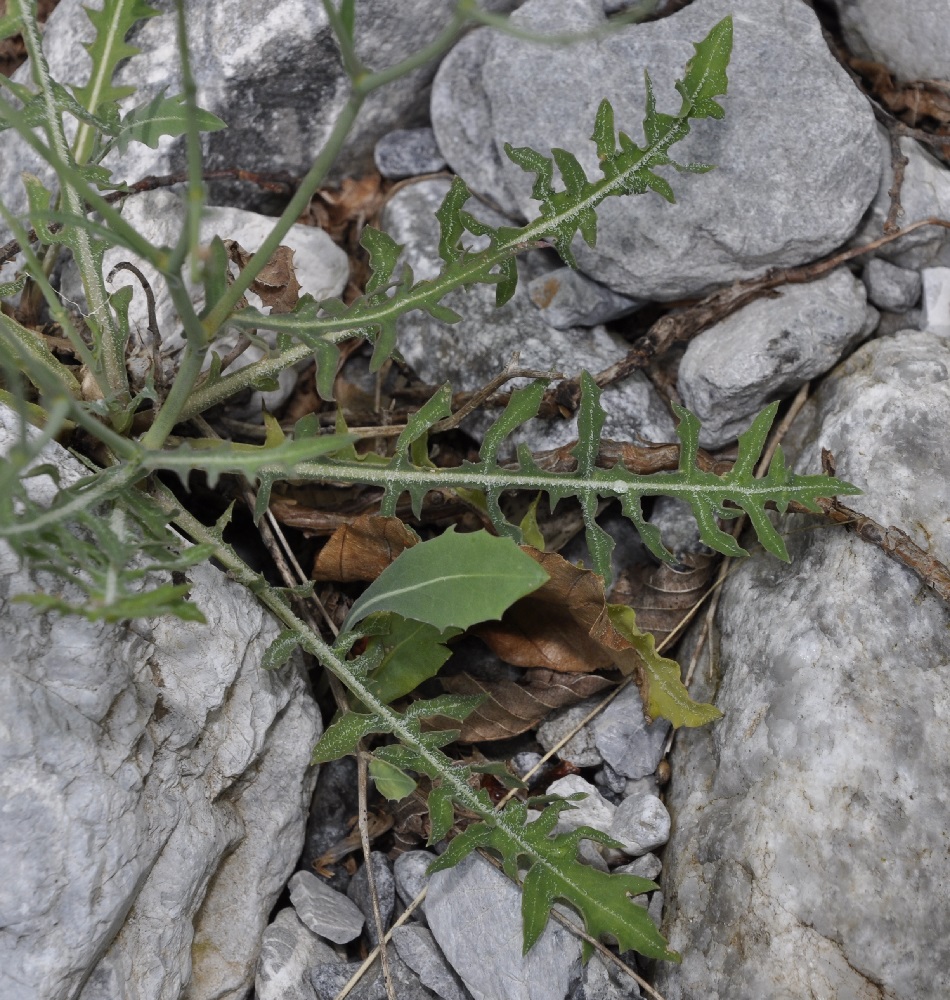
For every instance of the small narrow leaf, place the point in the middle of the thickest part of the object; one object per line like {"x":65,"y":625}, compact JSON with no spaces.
{"x":383,"y":253}
{"x":162,"y":116}
{"x":441,"y":814}
{"x":343,"y":736}
{"x":392,"y":782}
{"x":412,"y":653}
{"x":452,"y":581}
{"x":279,"y":651}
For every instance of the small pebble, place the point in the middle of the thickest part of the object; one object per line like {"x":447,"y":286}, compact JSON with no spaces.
{"x":408,"y":152}
{"x":385,"y":892}
{"x":890,"y":287}
{"x":641,"y":823}
{"x":324,"y":910}
{"x":935,"y":313}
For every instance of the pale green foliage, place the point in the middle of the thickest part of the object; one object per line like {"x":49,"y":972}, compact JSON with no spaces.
{"x":106,"y":533}
{"x":452,"y":581}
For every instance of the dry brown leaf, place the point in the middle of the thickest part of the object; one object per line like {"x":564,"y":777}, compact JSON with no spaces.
{"x":562,"y":626}
{"x":362,"y":549}
{"x":662,"y":595}
{"x":912,"y":100}
{"x":511,"y":708}
{"x":277,"y":283}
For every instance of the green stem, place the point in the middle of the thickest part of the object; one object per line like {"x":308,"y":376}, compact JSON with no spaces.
{"x":110,"y":341}
{"x":189,"y":238}
{"x":311,"y":643}
{"x":223,"y":308}
{"x":189,"y":367}
{"x":362,"y":86}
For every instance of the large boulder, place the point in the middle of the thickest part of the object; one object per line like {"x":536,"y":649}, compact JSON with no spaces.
{"x":796,"y":155}
{"x":272,"y":72}
{"x":912,"y":38}
{"x":809,"y":849}
{"x":154,"y":785}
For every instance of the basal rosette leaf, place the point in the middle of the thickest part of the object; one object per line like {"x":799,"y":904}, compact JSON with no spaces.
{"x":452,"y":581}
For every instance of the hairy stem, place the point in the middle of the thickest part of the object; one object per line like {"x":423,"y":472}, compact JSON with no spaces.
{"x":110,"y":341}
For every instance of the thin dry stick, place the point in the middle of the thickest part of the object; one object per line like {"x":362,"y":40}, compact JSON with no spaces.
{"x":370,"y":874}
{"x":374,"y":954}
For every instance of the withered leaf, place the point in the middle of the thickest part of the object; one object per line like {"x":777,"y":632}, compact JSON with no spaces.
{"x":567,"y":626}
{"x":511,"y":708}
{"x":662,"y":595}
{"x":362,"y":549}
{"x":562,"y":626}
{"x":276,"y":284}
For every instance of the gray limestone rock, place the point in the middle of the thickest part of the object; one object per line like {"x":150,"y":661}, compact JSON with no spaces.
{"x":320,"y":265}
{"x":768,"y":349}
{"x":641,"y":823}
{"x":567,"y":298}
{"x":935,"y":312}
{"x":474,"y":913}
{"x":359,"y":893}
{"x":328,"y":980}
{"x":912,"y":39}
{"x":324,"y":910}
{"x":592,"y":810}
{"x":891,"y":287}
{"x":678,"y":527}
{"x":288,"y":952}
{"x":811,"y":820}
{"x":796,"y":155}
{"x":470,"y":353}
{"x":925,"y":193}
{"x":408,"y":152}
{"x":623,"y":738}
{"x":273,"y":73}
{"x":410,"y":872}
{"x":647,"y":866}
{"x":580,"y":749}
{"x":155,"y":784}
{"x":601,"y":982}
{"x":417,"y":948}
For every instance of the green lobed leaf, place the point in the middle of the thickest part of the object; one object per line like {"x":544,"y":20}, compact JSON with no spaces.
{"x":159,"y":117}
{"x":280,"y":650}
{"x":664,"y":694}
{"x":452,"y":581}
{"x":412,"y":653}
{"x":112,"y":23}
{"x":343,"y":736}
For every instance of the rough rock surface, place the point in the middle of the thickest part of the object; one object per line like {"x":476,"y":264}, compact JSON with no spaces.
{"x":809,"y":854}
{"x":417,"y":948}
{"x":324,"y":910}
{"x":474,"y":913}
{"x":768,"y":349}
{"x":154,"y":783}
{"x":569,"y":298}
{"x":912,"y":38}
{"x":890,"y":286}
{"x":935,"y":312}
{"x":796,"y":153}
{"x":925,"y":193}
{"x":470,"y":353}
{"x":288,"y":952}
{"x":408,"y":152}
{"x":272,"y":73}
